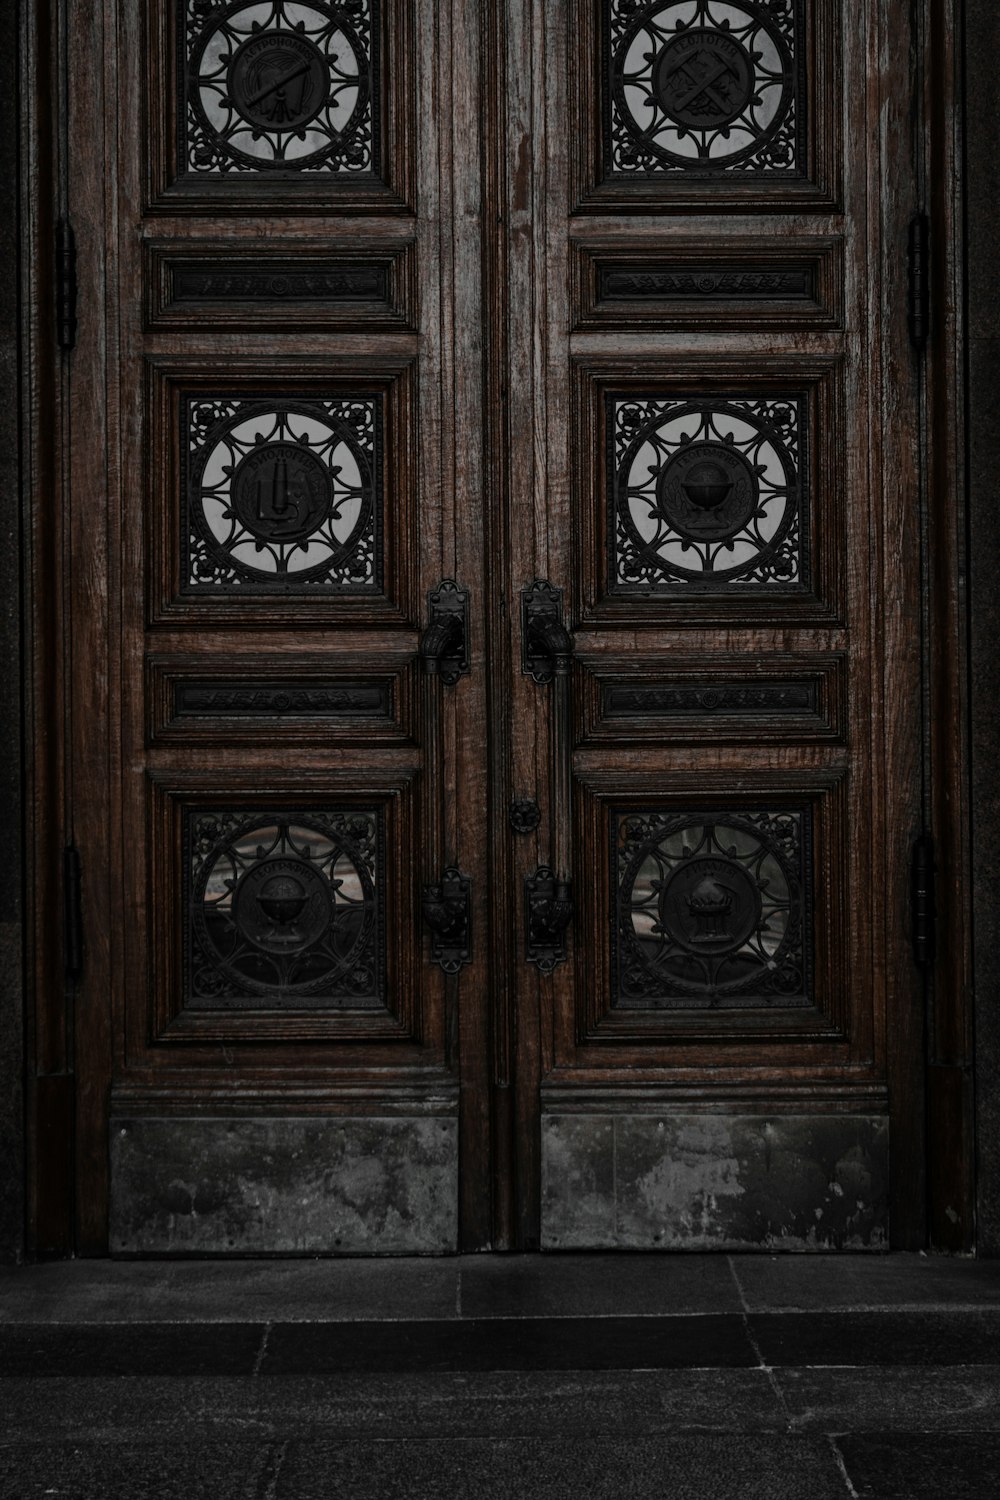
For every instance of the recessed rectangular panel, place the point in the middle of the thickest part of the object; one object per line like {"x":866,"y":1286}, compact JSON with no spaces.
{"x":273,"y":88}
{"x":283,"y":495}
{"x":709,"y":699}
{"x":704,"y":90}
{"x":714,"y":907}
{"x":742,"y":282}
{"x":262,"y":697}
{"x":284,"y":908}
{"x":719,"y":698}
{"x":755,"y":282}
{"x":704,"y":104}
{"x":276,"y":281}
{"x":287,"y":284}
{"x":203,"y":698}
{"x":709,"y":494}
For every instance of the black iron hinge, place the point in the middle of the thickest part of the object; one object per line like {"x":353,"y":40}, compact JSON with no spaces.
{"x":447,"y":909}
{"x":65,"y":284}
{"x":73,"y":900}
{"x":923,"y":911}
{"x":919,"y":296}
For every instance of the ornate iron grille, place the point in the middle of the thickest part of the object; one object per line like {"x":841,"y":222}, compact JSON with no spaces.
{"x":708,"y":495}
{"x":714,"y":908}
{"x":275,"y":86}
{"x":285,"y":910}
{"x":283,"y":496}
{"x":704,"y":87}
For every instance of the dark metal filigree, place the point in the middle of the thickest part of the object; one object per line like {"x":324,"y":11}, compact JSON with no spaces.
{"x":285,"y":908}
{"x":546,"y":644}
{"x":283,"y":495}
{"x":708,"y":494}
{"x":714,"y":908}
{"x":525,"y":815}
{"x":548,"y":910}
{"x":447,"y":911}
{"x":275,"y":86}
{"x":444,"y":645}
{"x":704,"y":87}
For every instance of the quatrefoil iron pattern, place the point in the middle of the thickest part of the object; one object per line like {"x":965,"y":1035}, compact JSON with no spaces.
{"x":283,"y":495}
{"x":704,"y":88}
{"x":278,"y":87}
{"x":285,"y":908}
{"x":708,"y":495}
{"x":713,"y":908}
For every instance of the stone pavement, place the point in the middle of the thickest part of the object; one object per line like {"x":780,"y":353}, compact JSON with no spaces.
{"x":554,"y":1376}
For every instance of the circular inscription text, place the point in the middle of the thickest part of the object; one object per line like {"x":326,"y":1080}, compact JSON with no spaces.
{"x":703,"y":79}
{"x":707,"y":492}
{"x":709,"y":906}
{"x":281,"y":492}
{"x":278,"y":81}
{"x":282,"y":906}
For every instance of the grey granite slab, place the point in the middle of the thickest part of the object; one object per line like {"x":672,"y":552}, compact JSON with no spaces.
{"x":232,"y":1469}
{"x":877,"y":1338}
{"x":293,"y":1186}
{"x":776,"y":1283}
{"x":230,"y":1291}
{"x":500,"y":1404}
{"x":682,"y":1468}
{"x":714,"y":1182}
{"x":595,"y":1285}
{"x":939,"y":1398}
{"x":923,"y":1466}
{"x":176,"y":1349}
{"x":711,"y":1340}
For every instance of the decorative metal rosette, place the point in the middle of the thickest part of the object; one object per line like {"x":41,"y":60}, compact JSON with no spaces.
{"x":704,"y":87}
{"x":283,"y":496}
{"x":285,"y":909}
{"x":279,"y":86}
{"x":708,"y":494}
{"x":713,"y":908}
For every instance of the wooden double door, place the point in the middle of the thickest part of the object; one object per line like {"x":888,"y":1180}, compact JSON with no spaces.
{"x":487,"y":500}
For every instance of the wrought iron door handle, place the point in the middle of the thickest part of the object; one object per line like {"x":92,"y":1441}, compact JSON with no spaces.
{"x":547,"y":656}
{"x":444,"y":647}
{"x":446,"y":902}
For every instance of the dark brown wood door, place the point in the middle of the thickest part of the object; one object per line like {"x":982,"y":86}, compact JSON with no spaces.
{"x":712,"y":439}
{"x":489,"y":644}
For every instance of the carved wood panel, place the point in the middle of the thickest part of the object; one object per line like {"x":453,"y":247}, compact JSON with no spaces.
{"x":586,"y":291}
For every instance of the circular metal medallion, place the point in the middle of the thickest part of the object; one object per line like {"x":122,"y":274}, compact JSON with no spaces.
{"x":278,"y":81}
{"x":703,"y":79}
{"x":281,"y":492}
{"x":282,"y":906}
{"x":710,"y":906}
{"x":707,"y":492}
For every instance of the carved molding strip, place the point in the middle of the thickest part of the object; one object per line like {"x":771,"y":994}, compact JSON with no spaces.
{"x":751,"y":282}
{"x":211,"y":283}
{"x":331,"y":699}
{"x":747,"y":283}
{"x":622,"y":700}
{"x":217,"y":281}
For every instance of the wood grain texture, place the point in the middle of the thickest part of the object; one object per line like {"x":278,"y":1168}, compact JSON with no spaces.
{"x":493,"y":347}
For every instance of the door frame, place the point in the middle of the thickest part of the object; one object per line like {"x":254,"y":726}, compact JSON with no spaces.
{"x":57,"y":1070}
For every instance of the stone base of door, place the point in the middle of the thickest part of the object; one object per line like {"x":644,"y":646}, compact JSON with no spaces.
{"x":711,"y":1181}
{"x":284,"y":1186}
